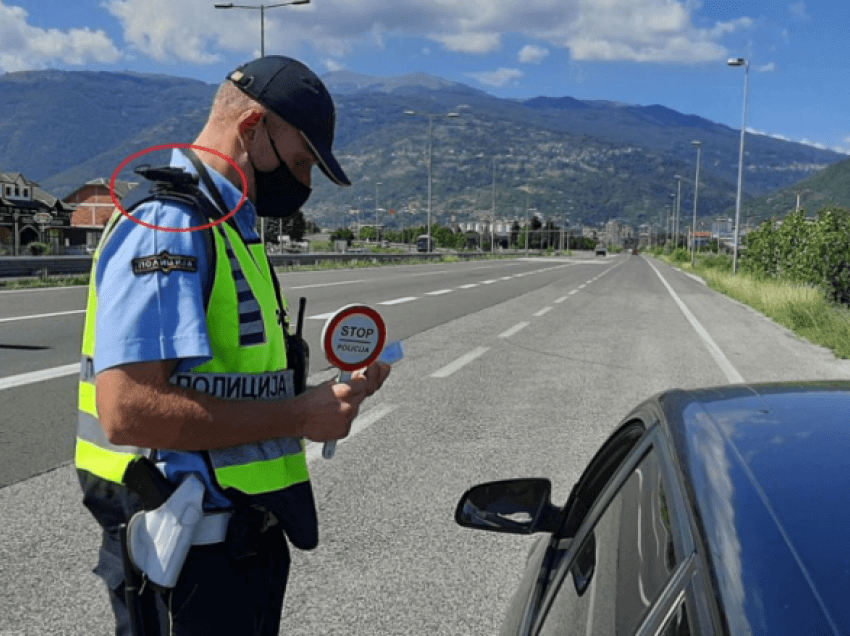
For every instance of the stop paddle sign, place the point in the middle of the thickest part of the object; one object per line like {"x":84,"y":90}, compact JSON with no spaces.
{"x":352,"y":339}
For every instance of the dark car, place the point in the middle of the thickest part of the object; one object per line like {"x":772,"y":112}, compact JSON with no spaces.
{"x":601,"y":250}
{"x":723,"y":510}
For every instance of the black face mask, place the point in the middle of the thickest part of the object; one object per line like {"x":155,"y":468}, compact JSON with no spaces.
{"x":279,"y":193}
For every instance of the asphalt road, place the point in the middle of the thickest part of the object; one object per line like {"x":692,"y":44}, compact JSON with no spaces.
{"x":523,"y":374}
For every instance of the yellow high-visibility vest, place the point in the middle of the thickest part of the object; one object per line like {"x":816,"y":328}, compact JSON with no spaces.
{"x":249,"y":363}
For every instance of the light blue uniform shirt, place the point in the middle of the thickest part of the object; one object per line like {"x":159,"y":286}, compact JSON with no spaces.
{"x":157,"y":316}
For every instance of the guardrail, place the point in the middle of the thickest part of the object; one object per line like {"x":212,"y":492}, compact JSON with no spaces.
{"x":26,"y":266}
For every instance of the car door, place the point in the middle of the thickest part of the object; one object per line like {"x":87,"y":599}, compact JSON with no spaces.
{"x":621,"y":561}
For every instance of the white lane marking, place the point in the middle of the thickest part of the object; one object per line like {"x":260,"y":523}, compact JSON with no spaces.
{"x":43,"y":289}
{"x":339,"y":282}
{"x":514,"y":329}
{"x":321,"y":316}
{"x":447,"y":370}
{"x":468,"y":286}
{"x":722,"y":361}
{"x":488,"y":282}
{"x":58,"y":313}
{"x":32,"y":377}
{"x":582,"y":286}
{"x":561,"y":299}
{"x":696,"y":278}
{"x":398,"y":301}
{"x":441,"y":271}
{"x":360,"y":424}
{"x":537,"y":314}
{"x":575,"y":291}
{"x":643,"y":598}
{"x":506,"y":277}
{"x":438,"y":292}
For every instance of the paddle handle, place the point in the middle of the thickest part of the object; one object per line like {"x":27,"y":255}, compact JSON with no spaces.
{"x":329,"y":448}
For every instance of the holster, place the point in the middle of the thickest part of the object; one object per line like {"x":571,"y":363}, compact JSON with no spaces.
{"x":158,"y":540}
{"x":138,"y":597}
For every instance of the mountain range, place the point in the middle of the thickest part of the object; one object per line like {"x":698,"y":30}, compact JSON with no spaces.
{"x":593,"y":160}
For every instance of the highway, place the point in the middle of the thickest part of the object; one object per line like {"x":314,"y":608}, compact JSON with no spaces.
{"x":513,"y":368}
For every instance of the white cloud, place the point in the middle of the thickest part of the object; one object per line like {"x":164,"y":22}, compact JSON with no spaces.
{"x":798,"y":10}
{"x":610,"y":30}
{"x":766,"y":68}
{"x":644,"y":31}
{"x":23,"y":46}
{"x":499,"y":77}
{"x":470,"y":42}
{"x":724,"y":28}
{"x":166,"y":30}
{"x":531,"y":54}
{"x":333,"y":65}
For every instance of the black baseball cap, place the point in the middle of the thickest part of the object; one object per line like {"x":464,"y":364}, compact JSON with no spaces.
{"x":297,"y":95}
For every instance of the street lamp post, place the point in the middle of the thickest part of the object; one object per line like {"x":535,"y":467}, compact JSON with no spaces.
{"x":262,"y":8}
{"x":698,"y":144}
{"x":678,"y":206}
{"x":740,"y":61}
{"x":493,"y":211}
{"x":376,"y":210}
{"x":527,"y":198}
{"x":357,"y":212}
{"x":430,"y":117}
{"x":15,"y":216}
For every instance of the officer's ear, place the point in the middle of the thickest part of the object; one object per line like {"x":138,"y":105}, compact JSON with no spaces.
{"x":248,"y":127}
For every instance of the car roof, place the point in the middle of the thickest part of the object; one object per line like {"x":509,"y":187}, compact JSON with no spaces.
{"x":767,"y":470}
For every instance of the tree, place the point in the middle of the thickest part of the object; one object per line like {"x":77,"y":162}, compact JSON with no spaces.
{"x":294,"y":227}
{"x":534,"y":239}
{"x":342,"y":235}
{"x":514,"y":234}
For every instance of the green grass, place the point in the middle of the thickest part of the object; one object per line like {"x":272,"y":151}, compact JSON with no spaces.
{"x":803,"y":309}
{"x":51,"y":281}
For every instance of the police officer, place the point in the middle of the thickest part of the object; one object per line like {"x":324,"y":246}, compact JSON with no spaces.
{"x":187,"y":361}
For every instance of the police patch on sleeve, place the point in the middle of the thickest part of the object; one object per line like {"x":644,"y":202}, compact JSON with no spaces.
{"x":165,"y":263}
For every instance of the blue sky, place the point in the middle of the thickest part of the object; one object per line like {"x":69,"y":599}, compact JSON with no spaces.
{"x":669,"y":52}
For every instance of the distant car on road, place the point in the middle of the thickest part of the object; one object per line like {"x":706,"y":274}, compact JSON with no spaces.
{"x":708,"y":511}
{"x":635,"y":251}
{"x":601,"y":250}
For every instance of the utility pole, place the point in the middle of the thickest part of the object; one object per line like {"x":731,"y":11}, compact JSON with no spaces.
{"x":527,"y":197}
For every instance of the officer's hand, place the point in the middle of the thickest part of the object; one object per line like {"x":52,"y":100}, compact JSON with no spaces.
{"x":333,"y":406}
{"x":374,"y":375}
{"x":330,"y":409}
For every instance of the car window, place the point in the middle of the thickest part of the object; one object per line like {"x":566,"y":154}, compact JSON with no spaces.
{"x":623,"y":563}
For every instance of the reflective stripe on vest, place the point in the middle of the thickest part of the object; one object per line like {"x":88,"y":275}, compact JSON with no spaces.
{"x":94,"y":453}
{"x":248,"y":351}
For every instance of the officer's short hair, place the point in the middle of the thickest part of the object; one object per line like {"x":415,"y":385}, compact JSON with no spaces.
{"x":230,"y":102}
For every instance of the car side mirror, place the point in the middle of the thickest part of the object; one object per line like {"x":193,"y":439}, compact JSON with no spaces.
{"x":515,"y":506}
